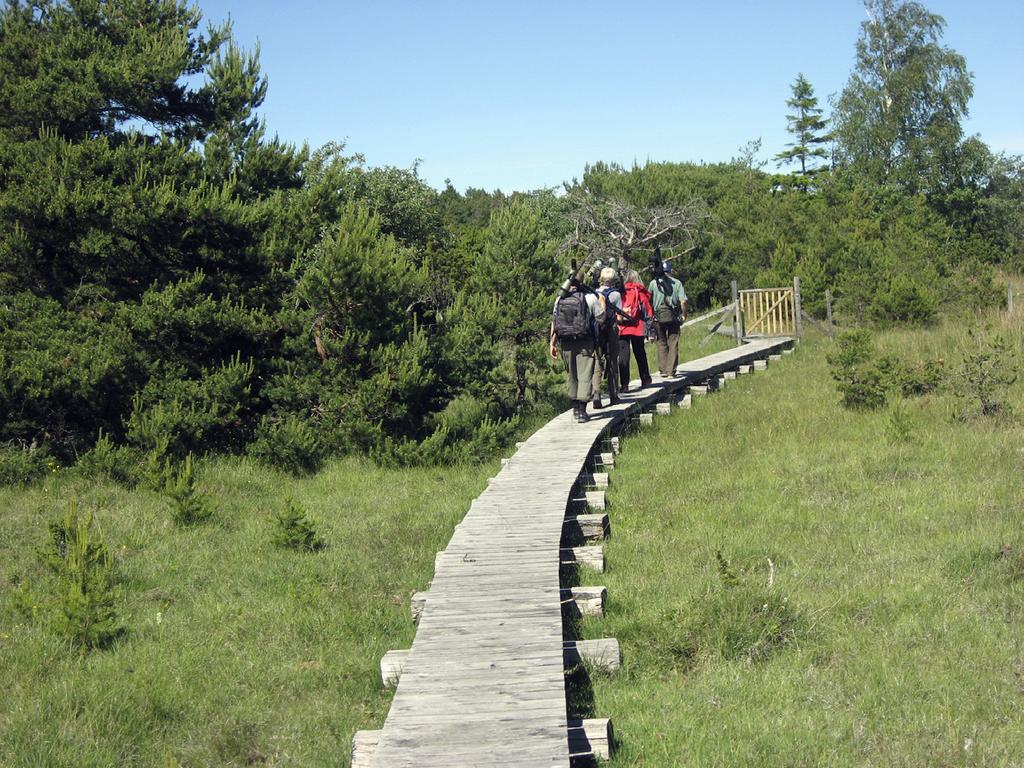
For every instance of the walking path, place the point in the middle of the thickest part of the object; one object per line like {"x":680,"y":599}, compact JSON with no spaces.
{"x":484,"y":682}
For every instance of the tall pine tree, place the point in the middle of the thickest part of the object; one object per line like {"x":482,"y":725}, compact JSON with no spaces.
{"x":807,"y":126}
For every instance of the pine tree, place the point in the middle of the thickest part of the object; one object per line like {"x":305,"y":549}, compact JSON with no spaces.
{"x":807,"y":126}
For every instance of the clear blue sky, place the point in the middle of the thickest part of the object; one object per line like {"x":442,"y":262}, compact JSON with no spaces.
{"x":521,"y":95}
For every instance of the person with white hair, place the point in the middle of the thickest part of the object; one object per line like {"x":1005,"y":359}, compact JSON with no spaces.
{"x":606,"y":365}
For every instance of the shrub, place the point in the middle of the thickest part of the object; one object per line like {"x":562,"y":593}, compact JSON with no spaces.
{"x":292,"y":529}
{"x":189,"y":506}
{"x":20,"y":466}
{"x":985,"y":376}
{"x":905,"y":301}
{"x":175,"y":416}
{"x":120,"y":463}
{"x":84,"y":569}
{"x":290,"y":443}
{"x":63,"y":375}
{"x":921,"y":378}
{"x":859,"y":379}
{"x":900,"y":428}
{"x":738,"y":619}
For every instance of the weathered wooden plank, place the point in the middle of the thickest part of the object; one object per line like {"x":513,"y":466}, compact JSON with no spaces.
{"x":589,"y":601}
{"x":604,"y":654}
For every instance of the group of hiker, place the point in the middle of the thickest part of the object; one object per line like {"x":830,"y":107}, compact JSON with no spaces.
{"x":595,"y":330}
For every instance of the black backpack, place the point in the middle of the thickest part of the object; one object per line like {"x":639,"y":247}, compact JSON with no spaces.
{"x":572,"y":318}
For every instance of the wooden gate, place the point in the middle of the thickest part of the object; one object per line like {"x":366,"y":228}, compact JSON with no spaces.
{"x":768,"y":312}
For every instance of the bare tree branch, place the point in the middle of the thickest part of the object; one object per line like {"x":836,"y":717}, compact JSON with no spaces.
{"x":615,"y":229}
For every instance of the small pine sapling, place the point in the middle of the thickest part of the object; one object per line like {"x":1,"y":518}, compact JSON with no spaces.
{"x":292,"y":529}
{"x":189,"y":506}
{"x":900,"y":428}
{"x":985,"y":377}
{"x":85,"y":580}
{"x":855,"y":368}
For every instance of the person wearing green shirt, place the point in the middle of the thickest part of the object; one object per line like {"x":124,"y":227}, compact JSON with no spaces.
{"x":668,"y":299}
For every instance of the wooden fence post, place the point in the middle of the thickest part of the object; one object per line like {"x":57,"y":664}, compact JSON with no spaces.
{"x":1009,"y":298}
{"x":736,"y":333}
{"x":797,"y":308}
{"x":828,"y":314}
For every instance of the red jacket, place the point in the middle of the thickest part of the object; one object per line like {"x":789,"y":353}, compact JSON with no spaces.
{"x":636,"y":293}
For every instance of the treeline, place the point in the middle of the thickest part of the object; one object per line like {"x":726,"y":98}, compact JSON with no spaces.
{"x":173,"y":280}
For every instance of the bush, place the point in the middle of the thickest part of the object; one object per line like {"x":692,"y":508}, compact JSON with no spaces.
{"x":293,"y":530}
{"x":63,"y":375}
{"x":120,"y":463}
{"x":174,"y":416}
{"x":84,"y":569}
{"x":290,"y":443}
{"x":905,"y":301}
{"x":900,"y":428}
{"x":737,"y":620}
{"x":19,"y":466}
{"x":189,"y":506}
{"x":921,"y":378}
{"x":986,"y":375}
{"x":859,"y":379}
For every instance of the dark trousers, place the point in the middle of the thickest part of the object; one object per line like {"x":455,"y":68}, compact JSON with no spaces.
{"x":607,"y":364}
{"x":636,"y":343}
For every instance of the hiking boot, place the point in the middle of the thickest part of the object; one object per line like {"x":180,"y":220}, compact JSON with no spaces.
{"x":583,"y":418}
{"x":597,"y":403}
{"x":613,"y":400}
{"x":645,"y":383}
{"x":575,"y":410}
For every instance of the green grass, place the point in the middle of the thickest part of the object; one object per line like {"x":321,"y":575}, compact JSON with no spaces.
{"x":237,"y":651}
{"x":893,"y":630}
{"x":891,"y":634}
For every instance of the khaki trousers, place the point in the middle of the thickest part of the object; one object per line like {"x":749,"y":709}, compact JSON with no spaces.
{"x":668,"y":348}
{"x":578,"y":358}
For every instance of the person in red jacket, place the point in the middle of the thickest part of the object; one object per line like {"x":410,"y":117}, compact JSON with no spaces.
{"x":636,"y":303}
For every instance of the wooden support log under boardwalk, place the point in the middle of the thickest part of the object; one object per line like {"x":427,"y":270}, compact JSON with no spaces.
{"x":484,"y":681}
{"x":589,"y":527}
{"x":592,"y":557}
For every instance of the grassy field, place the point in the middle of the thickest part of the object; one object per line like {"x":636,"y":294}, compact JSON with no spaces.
{"x":861,"y":613}
{"x":237,"y":652}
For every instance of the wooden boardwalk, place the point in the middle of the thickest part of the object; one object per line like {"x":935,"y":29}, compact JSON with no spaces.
{"x":484,"y":682}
